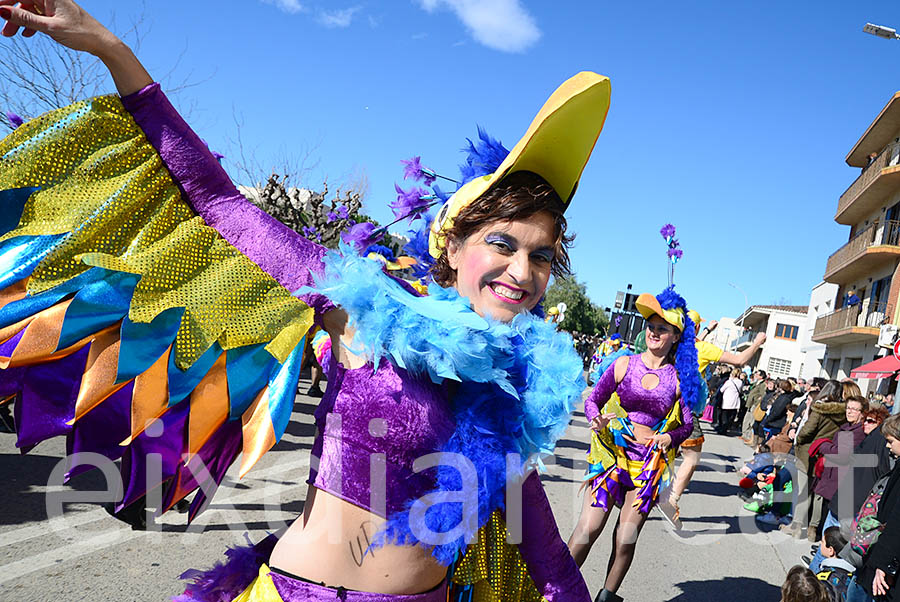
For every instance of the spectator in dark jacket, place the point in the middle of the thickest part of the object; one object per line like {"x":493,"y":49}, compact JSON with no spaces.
{"x":839,"y":451}
{"x":764,"y":403}
{"x":777,"y":416}
{"x":878,"y":573}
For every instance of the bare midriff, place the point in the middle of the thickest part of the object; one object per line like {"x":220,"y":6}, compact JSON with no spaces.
{"x":328,"y":544}
{"x":642,"y":433}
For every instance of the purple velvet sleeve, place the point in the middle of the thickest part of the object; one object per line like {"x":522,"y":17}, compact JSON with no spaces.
{"x":604,"y":389}
{"x":285,"y":255}
{"x":680,"y":434}
{"x":550,"y":564}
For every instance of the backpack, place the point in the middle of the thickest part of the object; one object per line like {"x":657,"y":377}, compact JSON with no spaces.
{"x":836,"y":581}
{"x":866,"y":527}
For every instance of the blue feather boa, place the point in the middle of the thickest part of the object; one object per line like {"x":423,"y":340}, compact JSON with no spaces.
{"x":519,"y":382}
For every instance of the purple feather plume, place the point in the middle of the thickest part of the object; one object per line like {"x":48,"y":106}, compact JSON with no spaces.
{"x":411,"y":203}
{"x":226,"y":580}
{"x":412,"y":168}
{"x":362,"y":236}
{"x":667,"y":231}
{"x":14,"y":119}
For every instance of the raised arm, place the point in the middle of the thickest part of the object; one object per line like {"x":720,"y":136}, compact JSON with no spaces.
{"x":71,"y":26}
{"x":282,"y":253}
{"x":739,"y":359}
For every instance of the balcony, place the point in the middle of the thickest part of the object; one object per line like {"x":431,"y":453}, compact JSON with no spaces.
{"x":874,"y":184}
{"x":865,"y":252}
{"x":744,"y":340}
{"x":854,"y":324}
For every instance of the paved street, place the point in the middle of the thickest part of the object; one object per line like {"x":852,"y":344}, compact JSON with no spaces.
{"x":719,"y":553}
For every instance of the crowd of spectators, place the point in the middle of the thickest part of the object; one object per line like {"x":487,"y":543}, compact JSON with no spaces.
{"x":824,"y":468}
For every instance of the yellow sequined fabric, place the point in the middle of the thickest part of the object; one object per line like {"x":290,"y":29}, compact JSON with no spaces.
{"x":495,"y":568}
{"x":103,"y":184}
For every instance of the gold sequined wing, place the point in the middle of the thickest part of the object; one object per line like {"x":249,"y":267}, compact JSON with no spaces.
{"x":493,"y":570}
{"x":139,"y":314}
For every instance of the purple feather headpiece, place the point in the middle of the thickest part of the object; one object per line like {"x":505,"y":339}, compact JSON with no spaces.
{"x":412,"y":168}
{"x":14,"y":119}
{"x":411,"y":203}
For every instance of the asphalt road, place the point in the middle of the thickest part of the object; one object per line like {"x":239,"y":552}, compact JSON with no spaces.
{"x":84,"y":553}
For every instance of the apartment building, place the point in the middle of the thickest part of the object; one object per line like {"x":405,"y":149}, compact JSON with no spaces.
{"x":865,"y":268}
{"x":782,"y":353}
{"x":822,"y":300}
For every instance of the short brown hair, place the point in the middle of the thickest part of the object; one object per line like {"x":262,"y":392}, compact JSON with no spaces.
{"x":517,"y":197}
{"x":862,"y":401}
{"x":891,"y":426}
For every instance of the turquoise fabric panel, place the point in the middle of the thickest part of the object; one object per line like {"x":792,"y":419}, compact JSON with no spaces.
{"x":248,"y":372}
{"x":283,"y":390}
{"x":20,"y":255}
{"x":182,"y":382}
{"x":142,"y":344}
{"x":12,"y":204}
{"x":98,"y":305}
{"x":21,"y":309}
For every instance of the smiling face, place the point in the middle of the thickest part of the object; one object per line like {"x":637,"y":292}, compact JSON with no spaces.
{"x":503,"y":267}
{"x":661,"y":335}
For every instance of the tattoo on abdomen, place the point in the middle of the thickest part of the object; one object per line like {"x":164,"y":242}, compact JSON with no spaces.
{"x":358,"y":552}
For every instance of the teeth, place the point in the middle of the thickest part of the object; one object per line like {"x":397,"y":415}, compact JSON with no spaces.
{"x":508,"y":293}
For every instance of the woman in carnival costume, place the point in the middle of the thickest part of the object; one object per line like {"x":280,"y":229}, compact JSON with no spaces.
{"x":138,"y":287}
{"x":634,"y":436}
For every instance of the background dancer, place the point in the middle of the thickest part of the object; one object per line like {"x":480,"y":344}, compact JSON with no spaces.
{"x":707,"y":353}
{"x":637,"y":436}
{"x":466,"y":371}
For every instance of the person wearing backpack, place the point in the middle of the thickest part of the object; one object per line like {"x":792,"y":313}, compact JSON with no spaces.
{"x":834,"y":570}
{"x":876,"y":580}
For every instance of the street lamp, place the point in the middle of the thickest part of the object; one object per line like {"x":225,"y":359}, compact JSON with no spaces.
{"x":881,"y":31}
{"x":746,"y":302}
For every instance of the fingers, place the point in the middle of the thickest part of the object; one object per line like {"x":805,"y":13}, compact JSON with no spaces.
{"x":21,"y":17}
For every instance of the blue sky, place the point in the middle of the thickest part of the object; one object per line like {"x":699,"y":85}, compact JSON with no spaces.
{"x":729,"y":119}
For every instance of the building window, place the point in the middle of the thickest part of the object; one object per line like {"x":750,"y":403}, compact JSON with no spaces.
{"x":786,"y":331}
{"x":779,"y":367}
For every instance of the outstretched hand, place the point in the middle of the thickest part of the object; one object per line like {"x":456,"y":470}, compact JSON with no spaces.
{"x":62,"y":20}
{"x":599,"y":422}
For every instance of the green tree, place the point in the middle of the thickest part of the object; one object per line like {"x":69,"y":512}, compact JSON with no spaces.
{"x":581,"y":314}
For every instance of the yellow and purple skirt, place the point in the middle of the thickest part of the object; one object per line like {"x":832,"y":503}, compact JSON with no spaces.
{"x":618,"y":465}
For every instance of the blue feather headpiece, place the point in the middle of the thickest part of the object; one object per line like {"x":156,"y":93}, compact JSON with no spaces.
{"x":686,"y":353}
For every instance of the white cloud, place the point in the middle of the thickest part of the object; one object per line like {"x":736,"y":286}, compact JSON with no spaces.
{"x":288,"y":6}
{"x":499,"y":24}
{"x":338,"y":18}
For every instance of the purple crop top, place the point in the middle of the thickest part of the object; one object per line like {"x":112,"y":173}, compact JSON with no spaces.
{"x":385,"y":412}
{"x":644,"y":406}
